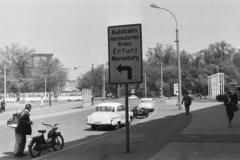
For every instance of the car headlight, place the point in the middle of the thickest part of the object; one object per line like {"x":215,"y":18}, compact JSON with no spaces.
{"x":88,"y":118}
{"x":110,"y":119}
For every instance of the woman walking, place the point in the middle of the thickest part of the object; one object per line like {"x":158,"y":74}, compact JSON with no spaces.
{"x":229,"y":108}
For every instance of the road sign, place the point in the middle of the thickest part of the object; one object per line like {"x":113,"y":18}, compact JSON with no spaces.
{"x":125,"y":54}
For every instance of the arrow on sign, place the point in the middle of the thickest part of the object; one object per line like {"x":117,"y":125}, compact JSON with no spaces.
{"x":121,"y":68}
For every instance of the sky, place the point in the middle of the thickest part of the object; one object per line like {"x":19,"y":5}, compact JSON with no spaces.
{"x":75,"y":31}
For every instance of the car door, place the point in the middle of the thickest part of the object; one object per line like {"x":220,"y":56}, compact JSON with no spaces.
{"x":120,"y":110}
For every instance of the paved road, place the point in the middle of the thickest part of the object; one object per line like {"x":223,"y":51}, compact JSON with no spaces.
{"x":146,"y":138}
{"x":169,"y":134}
{"x":72,"y":120}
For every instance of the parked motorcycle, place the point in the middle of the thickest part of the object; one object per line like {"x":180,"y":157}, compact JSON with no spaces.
{"x":39,"y":144}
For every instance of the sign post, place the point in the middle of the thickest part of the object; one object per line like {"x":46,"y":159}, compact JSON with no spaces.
{"x":125,"y":60}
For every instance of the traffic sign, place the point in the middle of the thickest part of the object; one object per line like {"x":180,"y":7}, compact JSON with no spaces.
{"x":125,"y":54}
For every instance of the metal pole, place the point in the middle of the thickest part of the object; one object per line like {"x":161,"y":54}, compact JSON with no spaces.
{"x":179,"y":65}
{"x":118,"y":91}
{"x":5,"y":83}
{"x":161,"y":80}
{"x":49,"y":85}
{"x":179,"y":73}
{"x":145,"y":86}
{"x":92,"y":86}
{"x":103,"y":83}
{"x":168,"y":91}
{"x":23,"y":94}
{"x":45,"y":87}
{"x":127,"y":119}
{"x":49,"y":89}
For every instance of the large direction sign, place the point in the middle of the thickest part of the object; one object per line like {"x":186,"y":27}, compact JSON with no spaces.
{"x":125,"y":54}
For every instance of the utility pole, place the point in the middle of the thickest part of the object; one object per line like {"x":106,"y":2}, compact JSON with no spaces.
{"x":161,"y":80}
{"x":119,"y":91}
{"x":103,"y":83}
{"x":92,"y":86}
{"x":145,"y":85}
{"x":48,"y":57}
{"x":5,"y":82}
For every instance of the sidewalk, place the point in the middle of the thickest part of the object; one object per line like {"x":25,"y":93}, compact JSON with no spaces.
{"x":204,"y":134}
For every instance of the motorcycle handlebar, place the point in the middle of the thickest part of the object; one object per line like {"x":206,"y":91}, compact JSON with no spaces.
{"x":50,"y":124}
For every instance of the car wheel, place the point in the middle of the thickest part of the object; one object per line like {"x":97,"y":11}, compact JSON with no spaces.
{"x":132,"y":118}
{"x":116,"y":127}
{"x":93,"y":127}
{"x":146,"y":115}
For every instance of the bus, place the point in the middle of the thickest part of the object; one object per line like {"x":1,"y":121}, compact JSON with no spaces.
{"x":36,"y":97}
{"x":10,"y":97}
{"x":69,"y":96}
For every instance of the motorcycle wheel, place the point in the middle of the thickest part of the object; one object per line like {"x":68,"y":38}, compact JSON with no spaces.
{"x":34,"y":150}
{"x":58,"y":142}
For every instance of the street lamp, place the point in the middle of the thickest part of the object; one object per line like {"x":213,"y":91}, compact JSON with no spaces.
{"x":5,"y":61}
{"x":178,"y":56}
{"x":145,"y":85}
{"x":92,"y":79}
{"x":48,"y":56}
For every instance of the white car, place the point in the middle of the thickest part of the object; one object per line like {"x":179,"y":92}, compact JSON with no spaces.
{"x":147,"y":103}
{"x":108,"y":114}
{"x":133,"y":97}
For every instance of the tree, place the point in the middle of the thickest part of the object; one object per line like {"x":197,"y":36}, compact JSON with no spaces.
{"x":20,"y":59}
{"x":22,"y":76}
{"x":218,"y":52}
{"x":54,"y":72}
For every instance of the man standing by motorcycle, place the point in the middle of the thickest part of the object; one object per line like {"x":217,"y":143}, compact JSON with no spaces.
{"x":23,"y":128}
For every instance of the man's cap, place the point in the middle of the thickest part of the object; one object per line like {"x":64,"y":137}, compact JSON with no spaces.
{"x":28,"y":106}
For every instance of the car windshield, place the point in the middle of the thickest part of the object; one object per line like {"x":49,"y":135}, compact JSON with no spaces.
{"x":105,"y":109}
{"x":146,"y":101}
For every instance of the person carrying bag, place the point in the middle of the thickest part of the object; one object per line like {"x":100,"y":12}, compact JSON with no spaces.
{"x":234,"y":98}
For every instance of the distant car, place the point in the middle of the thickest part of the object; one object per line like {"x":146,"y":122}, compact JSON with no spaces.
{"x":133,"y":97}
{"x":191,"y":96}
{"x":147,"y":103}
{"x":53,"y":99}
{"x":140,"y":112}
{"x":108,"y":114}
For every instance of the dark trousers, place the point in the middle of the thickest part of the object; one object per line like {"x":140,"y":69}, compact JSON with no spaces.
{"x":3,"y":108}
{"x":20,"y":142}
{"x":187,"y":106}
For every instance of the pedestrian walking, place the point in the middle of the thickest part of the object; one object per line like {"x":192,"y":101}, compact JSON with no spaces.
{"x":41,"y":102}
{"x":23,"y":128}
{"x":187,"y":102}
{"x":234,"y":97}
{"x":229,"y":108}
{"x":3,"y":104}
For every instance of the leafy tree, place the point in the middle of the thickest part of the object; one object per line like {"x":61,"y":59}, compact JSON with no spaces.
{"x":22,"y":76}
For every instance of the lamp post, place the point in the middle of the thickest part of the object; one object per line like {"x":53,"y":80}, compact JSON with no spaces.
{"x":103,"y":94}
{"x":5,"y":62}
{"x":48,"y":56}
{"x":178,"y":56}
{"x":91,"y":80}
{"x":5,"y":83}
{"x":145,"y":85}
{"x":161,"y":80}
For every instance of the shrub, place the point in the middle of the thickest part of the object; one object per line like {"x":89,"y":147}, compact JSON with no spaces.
{"x":220,"y":97}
